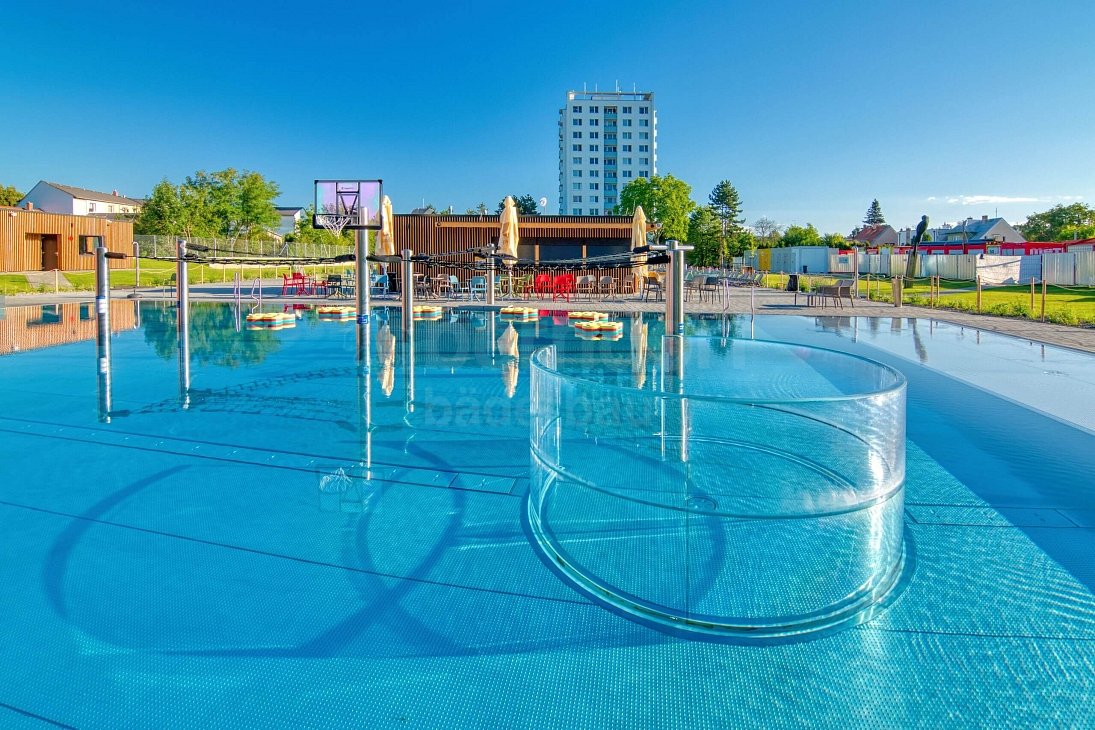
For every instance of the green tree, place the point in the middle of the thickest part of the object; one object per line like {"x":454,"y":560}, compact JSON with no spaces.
{"x":1060,"y":223}
{"x":834,"y":240}
{"x":874,"y":215}
{"x":9,"y":195}
{"x":526,"y":205}
{"x":799,"y":236}
{"x":226,"y":204}
{"x":665,"y":200}
{"x":726,"y":204}
{"x":163,"y":213}
{"x":705,"y":235}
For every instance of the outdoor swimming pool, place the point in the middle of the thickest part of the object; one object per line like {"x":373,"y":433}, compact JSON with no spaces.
{"x":213,"y":555}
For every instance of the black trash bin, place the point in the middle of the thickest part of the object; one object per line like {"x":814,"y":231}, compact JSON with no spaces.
{"x":792,"y":282}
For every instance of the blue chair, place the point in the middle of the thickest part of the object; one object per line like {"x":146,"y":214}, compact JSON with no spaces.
{"x":379,"y":285}
{"x":477,"y":288}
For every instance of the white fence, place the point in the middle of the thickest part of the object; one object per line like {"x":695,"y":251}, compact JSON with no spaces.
{"x":1076,"y":268}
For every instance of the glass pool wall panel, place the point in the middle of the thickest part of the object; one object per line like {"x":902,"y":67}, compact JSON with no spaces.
{"x":761,"y":516}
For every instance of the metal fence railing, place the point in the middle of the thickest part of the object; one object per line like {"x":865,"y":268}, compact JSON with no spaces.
{"x":165,"y":247}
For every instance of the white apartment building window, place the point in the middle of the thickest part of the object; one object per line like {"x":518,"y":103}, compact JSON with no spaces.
{"x":575,"y":186}
{"x":610,"y":188}
{"x":644,"y":122}
{"x":595,"y":110}
{"x":593,"y":211}
{"x":575,"y":211}
{"x":627,"y":110}
{"x":627,"y":160}
{"x":576,"y":109}
{"x":594,"y":122}
{"x":644,"y":173}
{"x":644,"y":135}
{"x":91,"y":207}
{"x":594,"y":135}
{"x":594,"y":186}
{"x":594,"y":199}
{"x":593,"y":173}
{"x":576,"y":173}
{"x":594,"y":147}
{"x":575,"y":122}
{"x":627,"y":122}
{"x":576,"y":148}
{"x":594,"y":160}
{"x":610,"y":200}
{"x":610,"y":136}
{"x":644,"y":110}
{"x":644,"y":148}
{"x":576,"y":135}
{"x":626,"y":173}
{"x":627,"y":135}
{"x":644,"y":160}
{"x":576,"y":160}
{"x":610,"y":149}
{"x":627,"y":148}
{"x":576,"y":198}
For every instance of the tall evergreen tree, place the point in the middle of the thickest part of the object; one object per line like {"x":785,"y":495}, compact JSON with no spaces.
{"x":726,"y":204}
{"x":874,"y":215}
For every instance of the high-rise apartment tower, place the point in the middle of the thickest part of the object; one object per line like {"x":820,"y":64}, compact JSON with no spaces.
{"x":606,"y":140}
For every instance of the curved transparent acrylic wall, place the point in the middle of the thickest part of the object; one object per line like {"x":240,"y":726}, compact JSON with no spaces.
{"x":746,"y":488}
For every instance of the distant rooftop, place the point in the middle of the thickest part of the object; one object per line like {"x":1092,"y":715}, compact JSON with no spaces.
{"x":610,"y":95}
{"x":85,"y":194}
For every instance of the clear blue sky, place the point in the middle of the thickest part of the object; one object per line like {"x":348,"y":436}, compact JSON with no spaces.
{"x":811,"y":109}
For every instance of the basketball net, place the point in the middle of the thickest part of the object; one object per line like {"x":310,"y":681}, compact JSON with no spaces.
{"x":334,"y":222}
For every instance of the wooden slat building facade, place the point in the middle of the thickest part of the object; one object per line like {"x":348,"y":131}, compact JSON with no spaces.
{"x":545,"y":242}
{"x":31,"y":240}
{"x":48,"y":325}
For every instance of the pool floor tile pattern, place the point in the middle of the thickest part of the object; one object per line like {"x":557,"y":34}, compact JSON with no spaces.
{"x":157,"y":582}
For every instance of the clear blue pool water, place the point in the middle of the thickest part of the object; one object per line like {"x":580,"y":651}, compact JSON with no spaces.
{"x":225,"y":564}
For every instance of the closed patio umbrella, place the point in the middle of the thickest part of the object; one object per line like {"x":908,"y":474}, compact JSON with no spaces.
{"x":385,"y":245}
{"x":638,"y":237}
{"x":507,"y":240}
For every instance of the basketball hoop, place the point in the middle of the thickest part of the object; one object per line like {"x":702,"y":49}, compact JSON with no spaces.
{"x":332,"y":221}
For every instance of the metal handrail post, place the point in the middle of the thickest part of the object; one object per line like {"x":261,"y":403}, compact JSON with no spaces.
{"x":407,"y":273}
{"x":102,"y":339}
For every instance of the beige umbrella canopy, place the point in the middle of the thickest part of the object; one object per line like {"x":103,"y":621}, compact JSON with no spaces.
{"x":385,"y":245}
{"x":638,"y":236}
{"x":638,"y":351}
{"x":507,"y":240}
{"x":385,"y":353}
{"x":507,"y":347}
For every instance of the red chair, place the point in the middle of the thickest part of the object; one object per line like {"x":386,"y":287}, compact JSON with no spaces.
{"x":562,"y":287}
{"x":541,"y":285}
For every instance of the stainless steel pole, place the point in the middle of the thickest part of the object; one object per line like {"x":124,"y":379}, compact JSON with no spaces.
{"x":407,"y":273}
{"x":182,"y":288}
{"x":136,"y":267}
{"x":490,"y":274}
{"x":674,"y":294}
{"x":102,"y":317}
{"x":364,"y":305}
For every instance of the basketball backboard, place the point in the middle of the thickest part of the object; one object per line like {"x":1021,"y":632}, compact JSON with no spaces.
{"x":352,"y":203}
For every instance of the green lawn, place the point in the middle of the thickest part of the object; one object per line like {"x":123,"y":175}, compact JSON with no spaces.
{"x":1072,"y":306}
{"x":14,"y":284}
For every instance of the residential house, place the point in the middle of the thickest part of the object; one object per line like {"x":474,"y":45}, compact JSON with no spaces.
{"x":874,"y":236}
{"x":56,"y":198}
{"x":971,"y":230}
